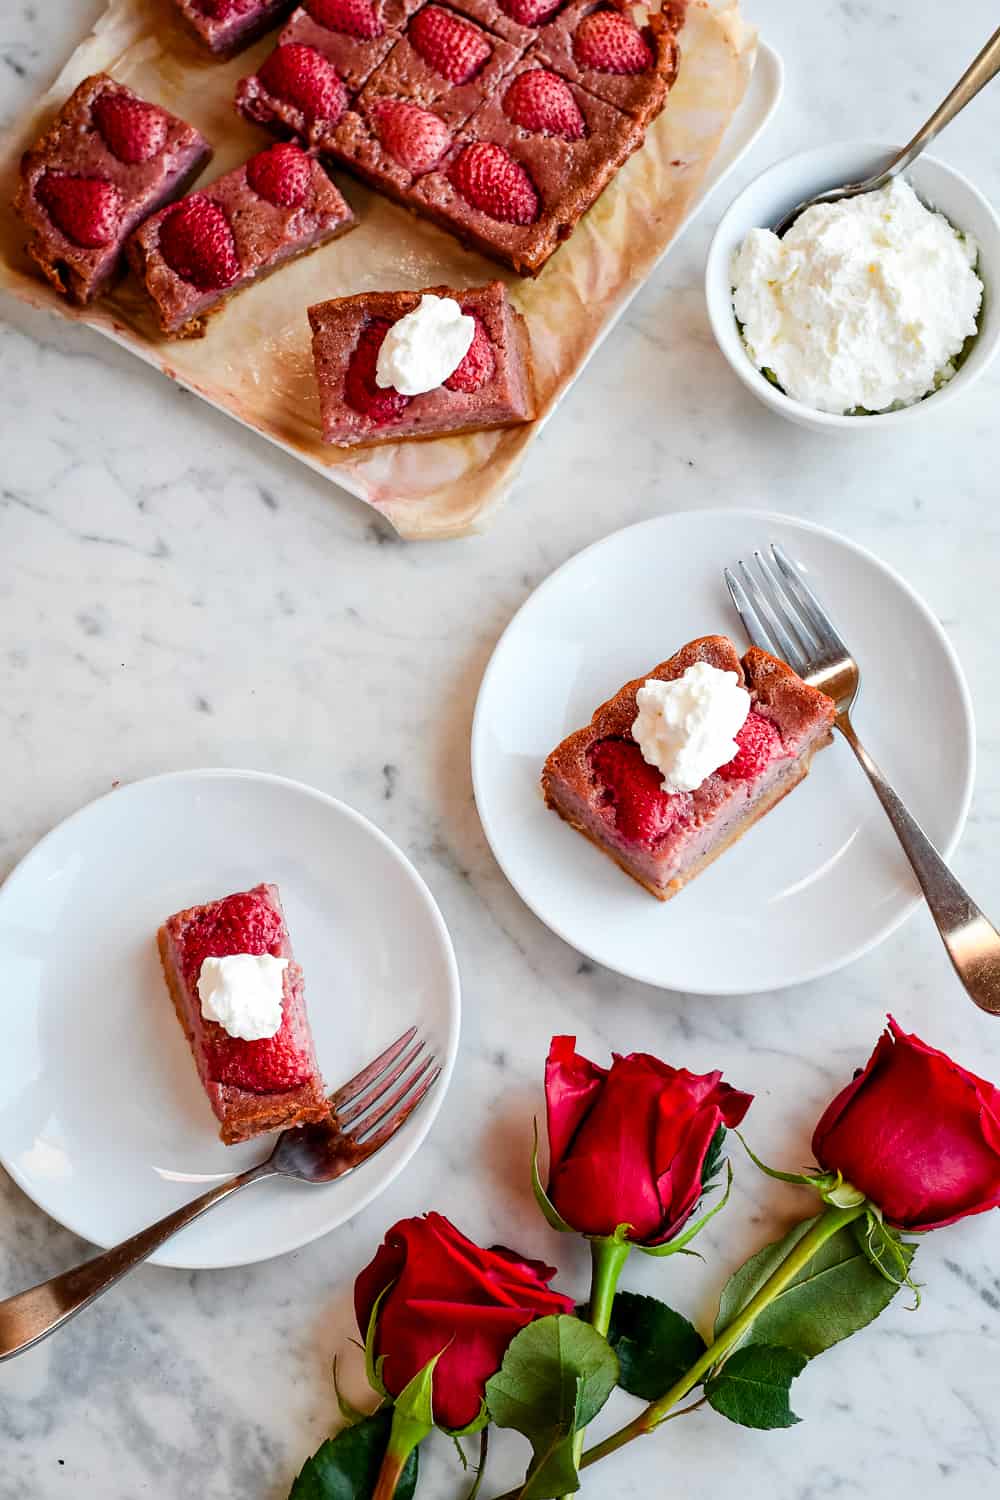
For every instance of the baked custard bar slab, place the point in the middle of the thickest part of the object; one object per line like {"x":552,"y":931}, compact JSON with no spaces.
{"x":252,"y":1086}
{"x":598,"y":781}
{"x":225,"y":27}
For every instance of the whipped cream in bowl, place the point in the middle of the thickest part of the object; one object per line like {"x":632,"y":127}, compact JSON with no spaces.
{"x":872,"y":312}
{"x":425,"y":346}
{"x":687,"y":727}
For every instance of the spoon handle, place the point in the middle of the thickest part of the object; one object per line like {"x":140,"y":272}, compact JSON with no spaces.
{"x":975,"y":77}
{"x":30,"y":1316}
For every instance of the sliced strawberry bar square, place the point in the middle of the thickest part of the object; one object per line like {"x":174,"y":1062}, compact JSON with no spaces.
{"x":444,"y":63}
{"x":528,"y":165}
{"x":225,"y":27}
{"x":492,"y":386}
{"x":599,"y":46}
{"x":107,"y":161}
{"x":599,"y":781}
{"x":265,"y":1082}
{"x":194,"y":255}
{"x":389,"y":142}
{"x":519,"y":21}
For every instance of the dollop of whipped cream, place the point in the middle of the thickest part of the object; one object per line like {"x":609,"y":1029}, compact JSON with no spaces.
{"x":863,"y":304}
{"x":423,"y":348}
{"x":686,"y":728}
{"x":243,"y":993}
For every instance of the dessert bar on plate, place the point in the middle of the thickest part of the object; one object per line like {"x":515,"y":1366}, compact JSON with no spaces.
{"x":195,"y":254}
{"x":492,"y":386}
{"x":267,"y":1082}
{"x":599,"y":46}
{"x":227,"y":26}
{"x":107,"y":161}
{"x":598,"y":780}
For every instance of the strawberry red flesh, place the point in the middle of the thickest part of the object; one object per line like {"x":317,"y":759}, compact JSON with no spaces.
{"x":414,"y":137}
{"x":634,"y":799}
{"x":361,"y":392}
{"x":478,"y":365}
{"x":196,"y":241}
{"x":305,"y":78}
{"x":530,"y":12}
{"x":759,"y":743}
{"x":611,"y":43}
{"x":542,"y":102}
{"x":489,"y":178}
{"x":452,"y":47}
{"x":350,"y":17}
{"x":132,"y":130}
{"x":88,"y":210}
{"x":282,"y":175}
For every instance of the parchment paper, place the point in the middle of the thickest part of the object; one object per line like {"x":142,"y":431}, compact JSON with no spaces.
{"x":255,"y":361}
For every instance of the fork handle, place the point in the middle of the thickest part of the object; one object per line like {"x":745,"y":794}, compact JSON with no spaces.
{"x":972,"y":942}
{"x":30,"y":1316}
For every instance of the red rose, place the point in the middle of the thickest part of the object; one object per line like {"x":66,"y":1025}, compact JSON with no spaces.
{"x":627,"y":1144}
{"x":915,"y":1133}
{"x":445,"y":1293}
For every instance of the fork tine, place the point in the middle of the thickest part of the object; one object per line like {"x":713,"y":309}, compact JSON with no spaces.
{"x":753,"y":627}
{"x":386,"y":1106}
{"x":823,"y":627}
{"x":785,"y":607}
{"x":787,"y":649}
{"x":350,"y":1090}
{"x":380,"y":1087}
{"x":399,"y":1119}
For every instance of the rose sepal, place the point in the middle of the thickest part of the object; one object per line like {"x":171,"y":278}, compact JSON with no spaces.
{"x":373,"y":1362}
{"x":886,"y":1250}
{"x":471,"y":1428}
{"x":679,"y":1245}
{"x":351,"y":1414}
{"x":832,"y":1187}
{"x":548,"y":1209}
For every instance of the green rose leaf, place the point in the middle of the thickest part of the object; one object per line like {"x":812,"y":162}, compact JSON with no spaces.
{"x":838,"y":1293}
{"x":555,"y":1377}
{"x":654,"y":1345}
{"x":347,"y":1467}
{"x":752,"y":1386}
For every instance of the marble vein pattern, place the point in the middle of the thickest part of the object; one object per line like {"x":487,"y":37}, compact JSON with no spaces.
{"x":175,"y":593}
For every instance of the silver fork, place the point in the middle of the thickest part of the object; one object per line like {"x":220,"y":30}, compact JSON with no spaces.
{"x":782,"y":615}
{"x":365,"y":1114}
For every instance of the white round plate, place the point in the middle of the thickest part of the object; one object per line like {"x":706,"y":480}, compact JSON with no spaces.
{"x":817,"y":882}
{"x":103,"y":1121}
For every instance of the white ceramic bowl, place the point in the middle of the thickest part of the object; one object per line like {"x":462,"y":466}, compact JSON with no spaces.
{"x":787,"y":183}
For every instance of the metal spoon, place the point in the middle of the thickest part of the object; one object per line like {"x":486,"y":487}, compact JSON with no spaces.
{"x":985,"y":67}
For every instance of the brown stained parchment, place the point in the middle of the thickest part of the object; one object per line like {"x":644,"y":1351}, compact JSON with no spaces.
{"x":255,"y":361}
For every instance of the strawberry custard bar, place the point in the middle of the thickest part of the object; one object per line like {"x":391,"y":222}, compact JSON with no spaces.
{"x":598,"y":45}
{"x":227,"y":26}
{"x":194,"y":255}
{"x":528,"y":165}
{"x":108,"y":160}
{"x":238,"y":994}
{"x":486,"y":382}
{"x":644,"y":781}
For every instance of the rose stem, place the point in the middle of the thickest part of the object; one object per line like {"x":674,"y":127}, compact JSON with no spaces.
{"x":827,"y":1225}
{"x":406,"y":1433}
{"x":608,"y":1257}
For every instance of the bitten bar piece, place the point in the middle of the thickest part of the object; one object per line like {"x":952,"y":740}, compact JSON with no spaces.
{"x":528,"y":165}
{"x":194,"y":255}
{"x":253,"y":1086}
{"x":492,"y":387}
{"x":598,"y":781}
{"x":107,"y":161}
{"x":225,"y":27}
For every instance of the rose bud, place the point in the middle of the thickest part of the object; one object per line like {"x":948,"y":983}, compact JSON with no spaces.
{"x":915,"y":1133}
{"x":446,"y":1296}
{"x":627,"y":1144}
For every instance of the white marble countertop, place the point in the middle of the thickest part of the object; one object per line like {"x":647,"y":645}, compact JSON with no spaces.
{"x":176,"y":593}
